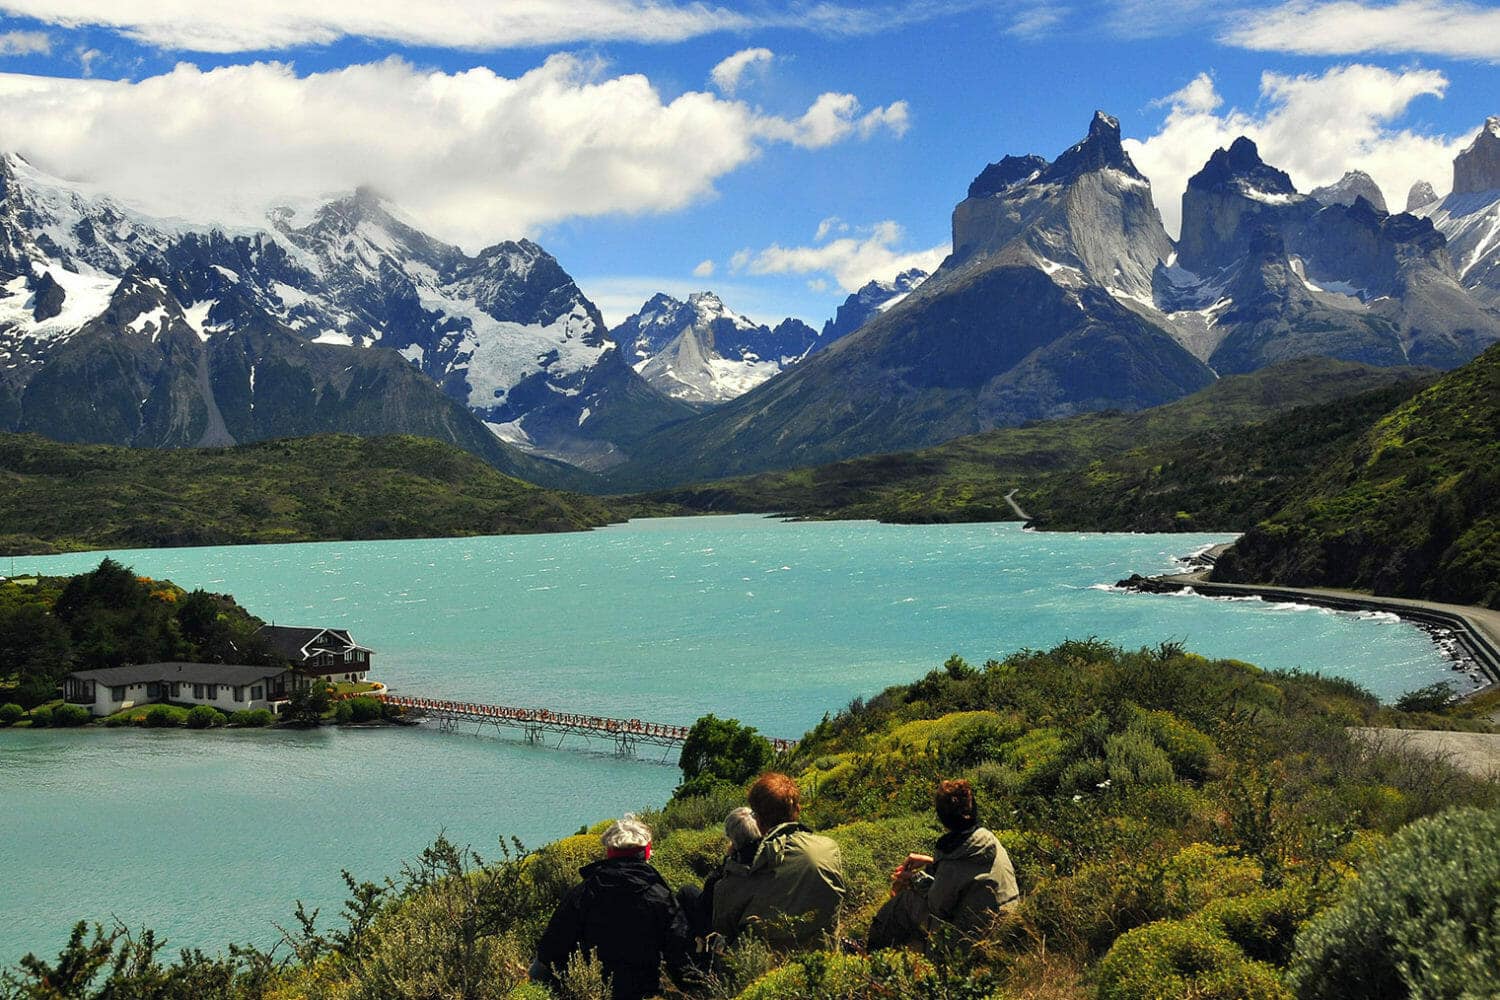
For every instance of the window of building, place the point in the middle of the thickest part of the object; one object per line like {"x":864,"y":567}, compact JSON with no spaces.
{"x":198,"y":692}
{"x":257,"y":693}
{"x":213,"y":691}
{"x":117,"y":694}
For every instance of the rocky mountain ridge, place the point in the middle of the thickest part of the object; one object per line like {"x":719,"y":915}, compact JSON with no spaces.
{"x":872,"y":298}
{"x":1469,"y":217}
{"x":702,"y":353}
{"x":505,"y":332}
{"x":1065,"y":294}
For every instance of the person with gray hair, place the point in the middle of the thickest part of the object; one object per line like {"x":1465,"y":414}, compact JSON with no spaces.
{"x":743,"y":833}
{"x":623,"y":914}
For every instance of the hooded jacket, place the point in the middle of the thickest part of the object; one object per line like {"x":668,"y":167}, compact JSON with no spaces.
{"x":625,"y":914}
{"x":790,"y":890}
{"x":969,"y":881}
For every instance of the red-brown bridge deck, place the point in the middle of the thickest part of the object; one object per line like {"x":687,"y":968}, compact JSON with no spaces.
{"x":626,"y":734}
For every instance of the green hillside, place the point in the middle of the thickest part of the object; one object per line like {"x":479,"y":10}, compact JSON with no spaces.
{"x":1411,"y":509}
{"x":1071,"y":473}
{"x":1179,"y":827}
{"x":65,"y":496}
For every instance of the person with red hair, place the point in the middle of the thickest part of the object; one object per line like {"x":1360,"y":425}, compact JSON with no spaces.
{"x":963,"y":884}
{"x":792,"y":887}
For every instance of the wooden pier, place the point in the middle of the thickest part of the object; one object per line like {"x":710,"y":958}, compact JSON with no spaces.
{"x":539,"y":725}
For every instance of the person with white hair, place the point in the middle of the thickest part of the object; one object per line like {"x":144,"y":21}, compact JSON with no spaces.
{"x":742,"y":833}
{"x":622,"y":913}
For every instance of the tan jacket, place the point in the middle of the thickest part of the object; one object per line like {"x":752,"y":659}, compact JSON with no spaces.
{"x":969,"y":881}
{"x":790,"y":891}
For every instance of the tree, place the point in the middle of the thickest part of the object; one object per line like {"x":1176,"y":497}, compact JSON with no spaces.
{"x":307,"y":706}
{"x":721,"y":751}
{"x":35,"y":653}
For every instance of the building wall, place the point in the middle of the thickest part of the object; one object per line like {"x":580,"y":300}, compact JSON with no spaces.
{"x":137,"y":694}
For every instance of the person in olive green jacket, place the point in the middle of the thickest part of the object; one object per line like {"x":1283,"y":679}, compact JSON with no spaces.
{"x":965,"y":882}
{"x":791,"y":890}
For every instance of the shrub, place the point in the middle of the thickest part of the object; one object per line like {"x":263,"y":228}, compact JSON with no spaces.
{"x":1263,"y":924}
{"x":204,"y":717}
{"x":1178,"y":958}
{"x":10,"y":714}
{"x":1432,"y":698}
{"x":161,"y":717}
{"x":69,"y":716}
{"x":343,"y":713}
{"x":1190,"y":751}
{"x":252,"y":718}
{"x":1133,"y":760}
{"x":1200,"y":872}
{"x":41,"y":718}
{"x":1419,"y":922}
{"x":695,"y":812}
{"x":364,"y":709}
{"x":686,"y":857}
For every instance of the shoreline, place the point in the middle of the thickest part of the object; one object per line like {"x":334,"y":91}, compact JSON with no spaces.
{"x":1466,"y":635}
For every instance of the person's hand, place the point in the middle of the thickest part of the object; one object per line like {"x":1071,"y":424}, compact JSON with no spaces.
{"x":901,"y":877}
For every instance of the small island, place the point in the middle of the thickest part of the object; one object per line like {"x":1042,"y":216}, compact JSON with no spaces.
{"x":114,"y":648}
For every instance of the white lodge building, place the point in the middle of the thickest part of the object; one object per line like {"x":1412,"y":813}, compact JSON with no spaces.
{"x":227,"y":686}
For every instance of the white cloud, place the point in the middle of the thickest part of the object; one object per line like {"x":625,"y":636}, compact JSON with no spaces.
{"x":25,"y":43}
{"x":1348,"y":27}
{"x":1159,"y":18}
{"x":1313,"y":127}
{"x":830,"y":225}
{"x":704,"y":269}
{"x":729,"y":72}
{"x":86,"y":59}
{"x":850,"y":260}
{"x":835,"y":117}
{"x":1033,"y":21}
{"x":473,"y":155}
{"x":257,"y":25}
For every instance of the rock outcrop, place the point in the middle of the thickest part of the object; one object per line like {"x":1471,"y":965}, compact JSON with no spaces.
{"x":1477,"y":168}
{"x":1354,"y":185}
{"x":1421,"y":194}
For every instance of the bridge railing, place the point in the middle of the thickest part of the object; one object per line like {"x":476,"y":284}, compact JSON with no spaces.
{"x":557,"y":721}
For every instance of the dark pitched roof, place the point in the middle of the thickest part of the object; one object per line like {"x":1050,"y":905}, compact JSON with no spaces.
{"x":191,"y":673}
{"x":292,"y":641}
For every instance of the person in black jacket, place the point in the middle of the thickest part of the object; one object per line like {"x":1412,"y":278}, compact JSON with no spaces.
{"x":624,"y":914}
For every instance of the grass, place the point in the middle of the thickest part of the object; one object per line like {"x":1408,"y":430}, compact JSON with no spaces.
{"x":355,"y":687}
{"x":62,"y":497}
{"x":136,"y":714}
{"x":1187,"y":465}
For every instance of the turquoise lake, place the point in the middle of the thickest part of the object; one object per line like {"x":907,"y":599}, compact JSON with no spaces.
{"x":212,"y":837}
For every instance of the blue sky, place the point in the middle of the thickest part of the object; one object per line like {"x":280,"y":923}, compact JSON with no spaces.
{"x":597,"y":127}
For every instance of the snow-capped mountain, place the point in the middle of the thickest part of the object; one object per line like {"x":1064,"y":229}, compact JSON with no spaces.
{"x":872,"y":299}
{"x":1470,"y":216}
{"x":1064,"y":294}
{"x":1264,"y":273}
{"x":1086,"y":217}
{"x":1025,"y":320}
{"x":505,"y":332}
{"x":701,"y":352}
{"x":1348,"y":189}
